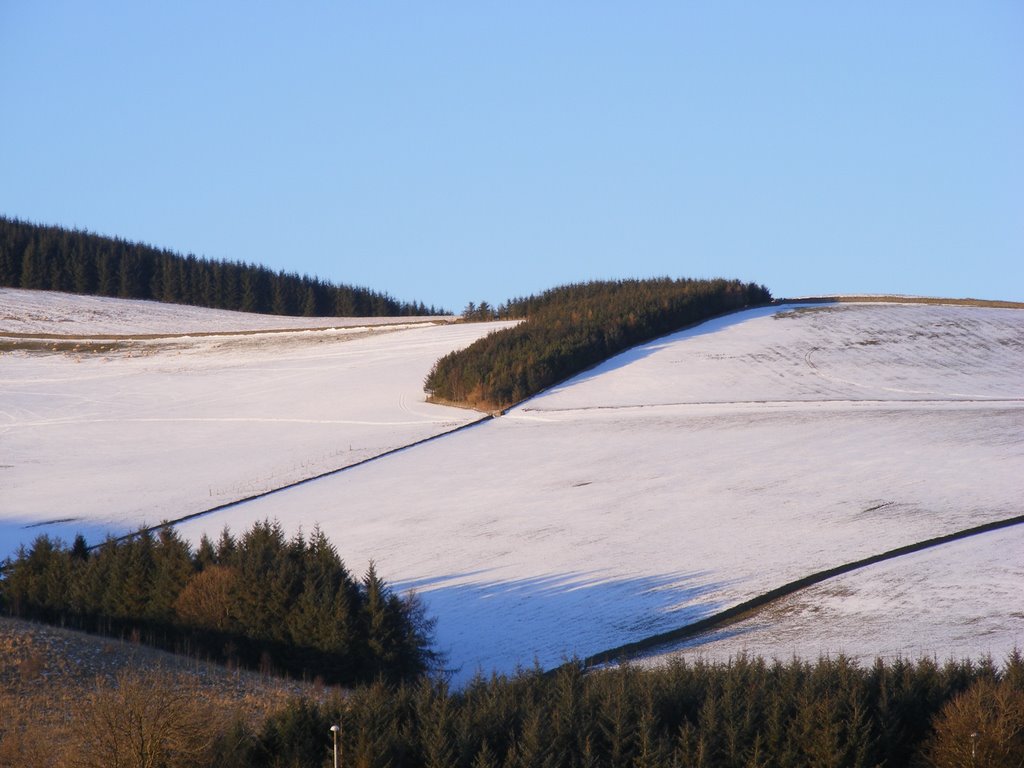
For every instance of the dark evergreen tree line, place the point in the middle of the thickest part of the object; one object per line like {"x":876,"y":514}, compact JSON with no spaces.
{"x":260,"y":601}
{"x":480,"y":313}
{"x":748,"y":713}
{"x":571,"y":328}
{"x":58,"y":259}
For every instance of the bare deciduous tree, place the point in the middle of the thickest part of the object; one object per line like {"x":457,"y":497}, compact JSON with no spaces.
{"x":981,"y":728}
{"x":207,"y":597}
{"x":158,"y":720}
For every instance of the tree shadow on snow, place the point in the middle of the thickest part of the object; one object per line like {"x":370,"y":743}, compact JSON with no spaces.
{"x":486,"y":625}
{"x":16,"y":531}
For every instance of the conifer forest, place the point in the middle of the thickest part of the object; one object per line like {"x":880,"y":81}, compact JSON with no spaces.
{"x":260,"y":601}
{"x":56,"y":259}
{"x":568,"y":329}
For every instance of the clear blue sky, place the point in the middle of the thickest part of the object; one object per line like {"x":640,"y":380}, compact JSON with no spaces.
{"x":449,"y":152}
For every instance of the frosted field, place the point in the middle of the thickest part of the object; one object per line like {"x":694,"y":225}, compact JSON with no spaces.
{"x":960,"y":600}
{"x":692,"y":473}
{"x":156,"y":428}
{"x":675,"y":480}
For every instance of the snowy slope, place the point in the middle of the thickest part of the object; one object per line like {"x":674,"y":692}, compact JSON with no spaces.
{"x":675,"y":480}
{"x":690,"y":474}
{"x":962,"y":600}
{"x":157,"y":428}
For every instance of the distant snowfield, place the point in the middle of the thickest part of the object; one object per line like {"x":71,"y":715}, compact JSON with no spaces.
{"x":46,"y":312}
{"x":677,"y":479}
{"x":158,"y":428}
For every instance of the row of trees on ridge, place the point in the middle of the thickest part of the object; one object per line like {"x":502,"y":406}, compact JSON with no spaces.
{"x":568,"y":329}
{"x":57,"y":259}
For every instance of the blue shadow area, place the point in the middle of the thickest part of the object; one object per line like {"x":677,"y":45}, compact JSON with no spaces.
{"x":18,"y":531}
{"x":500,"y":625}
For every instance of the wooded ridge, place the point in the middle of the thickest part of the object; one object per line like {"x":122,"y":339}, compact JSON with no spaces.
{"x":57,"y":259}
{"x":568,"y":329}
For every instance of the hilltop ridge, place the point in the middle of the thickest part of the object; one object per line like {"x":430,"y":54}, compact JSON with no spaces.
{"x":40,"y":257}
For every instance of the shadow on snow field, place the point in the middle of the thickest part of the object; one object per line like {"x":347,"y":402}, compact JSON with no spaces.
{"x":557,"y":616}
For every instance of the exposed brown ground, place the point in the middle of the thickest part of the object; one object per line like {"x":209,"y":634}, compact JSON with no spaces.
{"x":46,"y":669}
{"x":65,"y":697}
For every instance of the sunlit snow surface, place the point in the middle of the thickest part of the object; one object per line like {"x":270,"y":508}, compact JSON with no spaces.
{"x":961,"y":600}
{"x":161,"y":425}
{"x":675,"y":480}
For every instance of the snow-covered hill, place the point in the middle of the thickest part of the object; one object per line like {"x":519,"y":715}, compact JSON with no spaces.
{"x":692,"y":473}
{"x":677,"y":479}
{"x":110,"y":434}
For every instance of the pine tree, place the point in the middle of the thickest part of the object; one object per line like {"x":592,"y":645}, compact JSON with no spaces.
{"x":378,"y":622}
{"x":128,"y":592}
{"x":570,"y":727}
{"x":531,"y":747}
{"x":322,"y":616}
{"x":485,"y":757}
{"x":80,"y":549}
{"x":650,"y":751}
{"x":376,"y":742}
{"x":91,"y":584}
{"x":30,"y":276}
{"x":172,"y":566}
{"x":296,"y":735}
{"x":433,"y":713}
{"x":266,"y":576}
{"x":616,"y":721}
{"x":107,"y":269}
{"x":227,"y":548}
{"x":131,"y":277}
{"x":309,"y":308}
{"x":206,"y":555}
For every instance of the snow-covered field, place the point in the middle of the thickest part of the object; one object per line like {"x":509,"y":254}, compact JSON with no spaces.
{"x":66,"y":314}
{"x":675,"y":480}
{"x":961,"y":600}
{"x":157,"y":428}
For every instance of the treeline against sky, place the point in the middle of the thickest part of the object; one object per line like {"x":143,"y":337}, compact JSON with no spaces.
{"x":260,"y":601}
{"x":571,"y":328}
{"x":58,"y":259}
{"x":745,"y":714}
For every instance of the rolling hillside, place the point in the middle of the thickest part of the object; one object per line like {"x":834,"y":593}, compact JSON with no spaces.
{"x":679,"y":478}
{"x":121,"y":413}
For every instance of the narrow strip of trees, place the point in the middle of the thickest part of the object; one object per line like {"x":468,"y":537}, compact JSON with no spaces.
{"x":571,"y":328}
{"x":261,"y":601}
{"x":57,"y":259}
